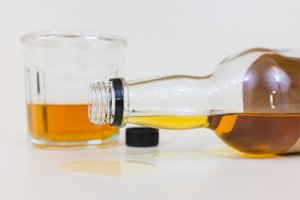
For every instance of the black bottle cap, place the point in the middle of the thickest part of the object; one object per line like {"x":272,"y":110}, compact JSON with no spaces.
{"x":142,"y":137}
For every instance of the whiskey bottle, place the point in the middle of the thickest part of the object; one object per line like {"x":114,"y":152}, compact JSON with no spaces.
{"x":252,"y":101}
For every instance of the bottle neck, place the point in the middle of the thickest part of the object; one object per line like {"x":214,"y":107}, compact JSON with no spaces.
{"x":184,"y":101}
{"x":106,"y":102}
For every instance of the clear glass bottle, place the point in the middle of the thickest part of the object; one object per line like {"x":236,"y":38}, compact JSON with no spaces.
{"x":252,"y":101}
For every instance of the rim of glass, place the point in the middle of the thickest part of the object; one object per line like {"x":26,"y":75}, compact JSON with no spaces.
{"x":59,"y":37}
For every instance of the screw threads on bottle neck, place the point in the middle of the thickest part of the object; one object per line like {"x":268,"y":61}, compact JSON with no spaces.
{"x":106,"y":102}
{"x":100,"y":103}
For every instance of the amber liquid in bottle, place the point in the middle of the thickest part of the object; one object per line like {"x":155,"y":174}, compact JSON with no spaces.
{"x":249,"y":133}
{"x":65,"y":123}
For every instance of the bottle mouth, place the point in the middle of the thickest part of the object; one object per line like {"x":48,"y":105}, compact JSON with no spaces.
{"x":106,"y":102}
{"x":99,"y":106}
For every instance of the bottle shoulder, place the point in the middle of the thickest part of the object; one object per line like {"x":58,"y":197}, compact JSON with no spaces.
{"x":259,"y":81}
{"x":272,"y":84}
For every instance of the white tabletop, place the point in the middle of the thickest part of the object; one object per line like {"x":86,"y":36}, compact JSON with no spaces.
{"x":192,"y":164}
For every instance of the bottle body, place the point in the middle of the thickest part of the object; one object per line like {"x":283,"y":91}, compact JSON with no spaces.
{"x":252,"y":101}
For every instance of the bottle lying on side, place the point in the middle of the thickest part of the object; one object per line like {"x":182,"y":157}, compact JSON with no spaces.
{"x":252,"y":101}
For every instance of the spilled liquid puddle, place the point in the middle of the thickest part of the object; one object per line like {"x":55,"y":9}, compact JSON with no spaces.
{"x":110,"y":168}
{"x":175,"y":155}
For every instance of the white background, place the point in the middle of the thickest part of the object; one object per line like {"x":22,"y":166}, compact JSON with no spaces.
{"x":165,"y":37}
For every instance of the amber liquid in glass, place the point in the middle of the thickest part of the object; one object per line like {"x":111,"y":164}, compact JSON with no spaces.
{"x":249,"y":133}
{"x":65,"y":123}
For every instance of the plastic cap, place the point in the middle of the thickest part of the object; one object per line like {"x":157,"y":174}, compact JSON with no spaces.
{"x":142,"y":137}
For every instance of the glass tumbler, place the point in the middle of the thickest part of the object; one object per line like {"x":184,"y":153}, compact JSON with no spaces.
{"x":59,"y":66}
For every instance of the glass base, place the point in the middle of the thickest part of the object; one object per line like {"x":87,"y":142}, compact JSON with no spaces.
{"x":89,"y":144}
